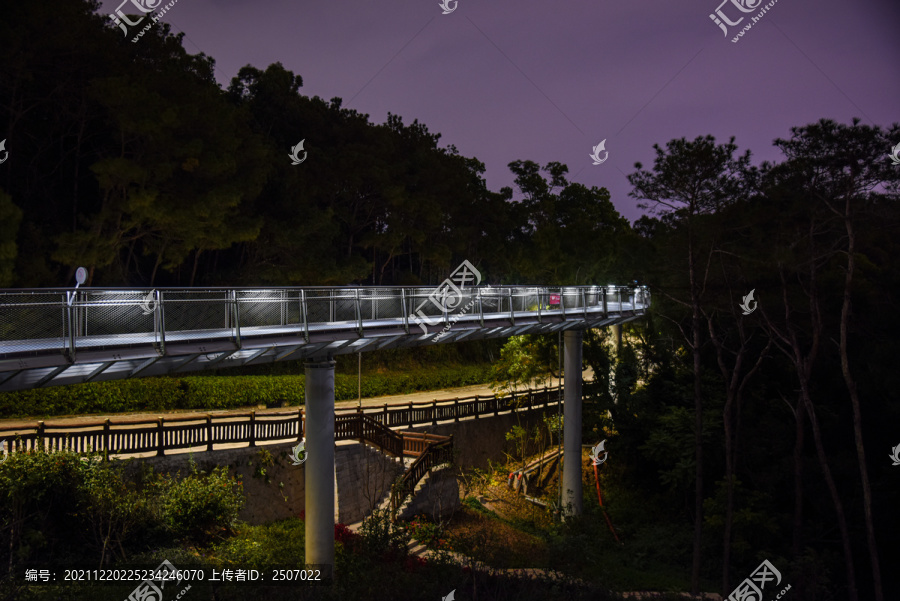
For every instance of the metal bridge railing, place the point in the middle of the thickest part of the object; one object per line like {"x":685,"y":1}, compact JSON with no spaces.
{"x":66,"y":320}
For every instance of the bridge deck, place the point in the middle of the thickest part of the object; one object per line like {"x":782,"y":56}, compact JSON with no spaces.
{"x":53,"y":337}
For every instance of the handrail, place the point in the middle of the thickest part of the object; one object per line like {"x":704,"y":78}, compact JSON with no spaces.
{"x":40,"y":322}
{"x":436,"y":453}
{"x":364,"y":427}
{"x":131,"y":436}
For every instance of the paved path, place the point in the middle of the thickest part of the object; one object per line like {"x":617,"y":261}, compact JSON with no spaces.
{"x":399,"y":399}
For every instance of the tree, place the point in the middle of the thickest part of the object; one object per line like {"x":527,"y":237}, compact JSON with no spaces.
{"x":690,"y":180}
{"x":10,"y":218}
{"x":844,"y":168}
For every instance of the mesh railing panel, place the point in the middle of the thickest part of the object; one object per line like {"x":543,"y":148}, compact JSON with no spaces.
{"x":35,"y":321}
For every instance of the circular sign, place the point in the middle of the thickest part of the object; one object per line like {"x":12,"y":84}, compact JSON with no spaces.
{"x":80,"y":275}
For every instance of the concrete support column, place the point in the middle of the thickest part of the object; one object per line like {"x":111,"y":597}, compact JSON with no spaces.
{"x":319,"y":465}
{"x":617,"y":332}
{"x":571,"y":484}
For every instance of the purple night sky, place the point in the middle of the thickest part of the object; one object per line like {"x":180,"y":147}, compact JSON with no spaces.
{"x":546,"y":81}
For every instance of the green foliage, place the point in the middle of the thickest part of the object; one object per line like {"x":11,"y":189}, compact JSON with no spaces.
{"x":112,"y":507}
{"x":554,"y":425}
{"x":39,"y":493}
{"x":523,"y":364}
{"x":380,"y":536}
{"x":218,"y":392}
{"x":277,"y":543}
{"x":200,"y":506}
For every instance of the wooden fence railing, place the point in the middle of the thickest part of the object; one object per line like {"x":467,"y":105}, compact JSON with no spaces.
{"x":166,"y":434}
{"x":437,"y":451}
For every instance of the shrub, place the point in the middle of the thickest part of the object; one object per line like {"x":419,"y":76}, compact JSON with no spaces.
{"x":111,"y":507}
{"x":199,"y":505}
{"x":219,"y":392}
{"x":280,"y":543}
{"x":429,"y":534}
{"x":38,"y":493}
{"x":380,"y":537}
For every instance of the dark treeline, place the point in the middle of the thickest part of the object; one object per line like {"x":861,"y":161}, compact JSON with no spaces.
{"x":129,"y":159}
{"x":769,"y":429}
{"x":768,"y":432}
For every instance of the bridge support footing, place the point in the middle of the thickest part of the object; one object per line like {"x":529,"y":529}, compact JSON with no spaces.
{"x":319,"y":465}
{"x":572,"y":502}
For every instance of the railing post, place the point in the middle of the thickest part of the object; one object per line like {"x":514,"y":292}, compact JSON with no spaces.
{"x":562,"y":302}
{"x":40,"y":436}
{"x":403,"y":310}
{"x":496,"y":402}
{"x":301,"y":423}
{"x":237,"y":319}
{"x":584,"y":305}
{"x":605,"y":305}
{"x":456,"y":410}
{"x":209,"y":439}
{"x":512,"y":312}
{"x":359,"y":314}
{"x":106,"y":439}
{"x":253,"y":428}
{"x":480,"y":307}
{"x":304,"y":311}
{"x":160,"y":436}
{"x":434,"y":412}
{"x":73,"y":296}
{"x":385,"y":419}
{"x":410,"y":418}
{"x":539,"y":304}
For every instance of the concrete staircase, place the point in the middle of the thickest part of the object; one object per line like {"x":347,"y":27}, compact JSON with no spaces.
{"x":389,"y":464}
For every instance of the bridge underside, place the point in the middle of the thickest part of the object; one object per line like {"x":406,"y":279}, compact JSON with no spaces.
{"x":38,"y":363}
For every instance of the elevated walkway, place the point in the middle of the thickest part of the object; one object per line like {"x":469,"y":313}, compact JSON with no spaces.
{"x":51,"y":337}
